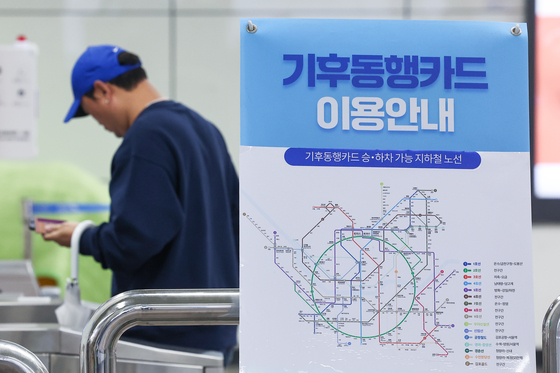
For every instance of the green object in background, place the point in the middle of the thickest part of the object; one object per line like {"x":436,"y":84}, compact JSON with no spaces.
{"x":51,"y":182}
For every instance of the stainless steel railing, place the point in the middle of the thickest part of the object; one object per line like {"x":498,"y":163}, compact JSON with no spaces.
{"x":151,"y":307}
{"x":15,"y":358}
{"x":549,"y":335}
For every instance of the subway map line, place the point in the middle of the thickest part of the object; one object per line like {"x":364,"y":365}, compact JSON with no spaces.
{"x":371,"y":283}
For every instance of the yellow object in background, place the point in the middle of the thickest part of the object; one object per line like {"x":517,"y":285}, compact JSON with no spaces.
{"x":51,"y":182}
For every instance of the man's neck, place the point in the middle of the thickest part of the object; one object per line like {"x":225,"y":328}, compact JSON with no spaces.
{"x":139,"y":98}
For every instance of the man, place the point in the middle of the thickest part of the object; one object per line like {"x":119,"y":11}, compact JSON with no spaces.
{"x":174,"y":194}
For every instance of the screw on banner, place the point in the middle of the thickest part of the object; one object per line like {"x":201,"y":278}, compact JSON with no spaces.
{"x":516,"y":30}
{"x":251,"y":28}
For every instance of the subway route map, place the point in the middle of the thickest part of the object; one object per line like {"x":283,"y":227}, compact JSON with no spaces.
{"x":374,"y":281}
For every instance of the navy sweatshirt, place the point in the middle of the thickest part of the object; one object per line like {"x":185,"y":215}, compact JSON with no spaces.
{"x":174,"y":219}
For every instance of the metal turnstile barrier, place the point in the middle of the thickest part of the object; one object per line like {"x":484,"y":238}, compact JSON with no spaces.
{"x":151,"y":307}
{"x":30,"y":322}
{"x":17,"y":359}
{"x":550,"y":336}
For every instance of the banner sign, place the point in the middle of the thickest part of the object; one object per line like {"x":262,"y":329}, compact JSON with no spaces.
{"x":385,"y":197}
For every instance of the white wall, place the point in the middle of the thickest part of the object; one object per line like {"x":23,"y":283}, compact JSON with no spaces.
{"x":190,"y":49}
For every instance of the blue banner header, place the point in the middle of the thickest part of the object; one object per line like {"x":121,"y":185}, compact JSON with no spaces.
{"x":379,"y":84}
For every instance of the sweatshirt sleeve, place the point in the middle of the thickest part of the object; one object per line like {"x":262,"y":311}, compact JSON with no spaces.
{"x":146,"y":215}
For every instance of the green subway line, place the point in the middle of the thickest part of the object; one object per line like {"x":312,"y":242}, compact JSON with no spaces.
{"x":379,"y":311}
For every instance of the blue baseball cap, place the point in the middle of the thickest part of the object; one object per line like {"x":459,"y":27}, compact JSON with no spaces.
{"x":98,"y":62}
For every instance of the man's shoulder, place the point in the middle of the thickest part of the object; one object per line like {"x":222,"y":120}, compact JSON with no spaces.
{"x":168,"y":110}
{"x":176,"y":119}
{"x":166,"y":124}
{"x":169,"y":116}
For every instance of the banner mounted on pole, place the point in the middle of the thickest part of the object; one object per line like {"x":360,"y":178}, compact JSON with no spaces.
{"x":385,"y":197}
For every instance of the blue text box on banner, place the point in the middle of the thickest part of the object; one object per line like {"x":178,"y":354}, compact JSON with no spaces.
{"x":377,"y":84}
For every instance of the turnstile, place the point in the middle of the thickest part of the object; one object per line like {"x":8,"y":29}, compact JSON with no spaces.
{"x":550,"y":335}
{"x":30,"y":321}
{"x":58,"y":348}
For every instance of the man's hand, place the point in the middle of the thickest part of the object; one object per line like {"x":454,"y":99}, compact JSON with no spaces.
{"x":60,"y":233}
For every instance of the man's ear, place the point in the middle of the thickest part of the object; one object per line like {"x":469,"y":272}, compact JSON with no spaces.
{"x":102,"y":90}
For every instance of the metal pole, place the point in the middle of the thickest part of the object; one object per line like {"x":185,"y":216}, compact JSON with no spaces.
{"x":27,"y":215}
{"x":549,"y":335}
{"x":15,"y":358}
{"x":151,"y":307}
